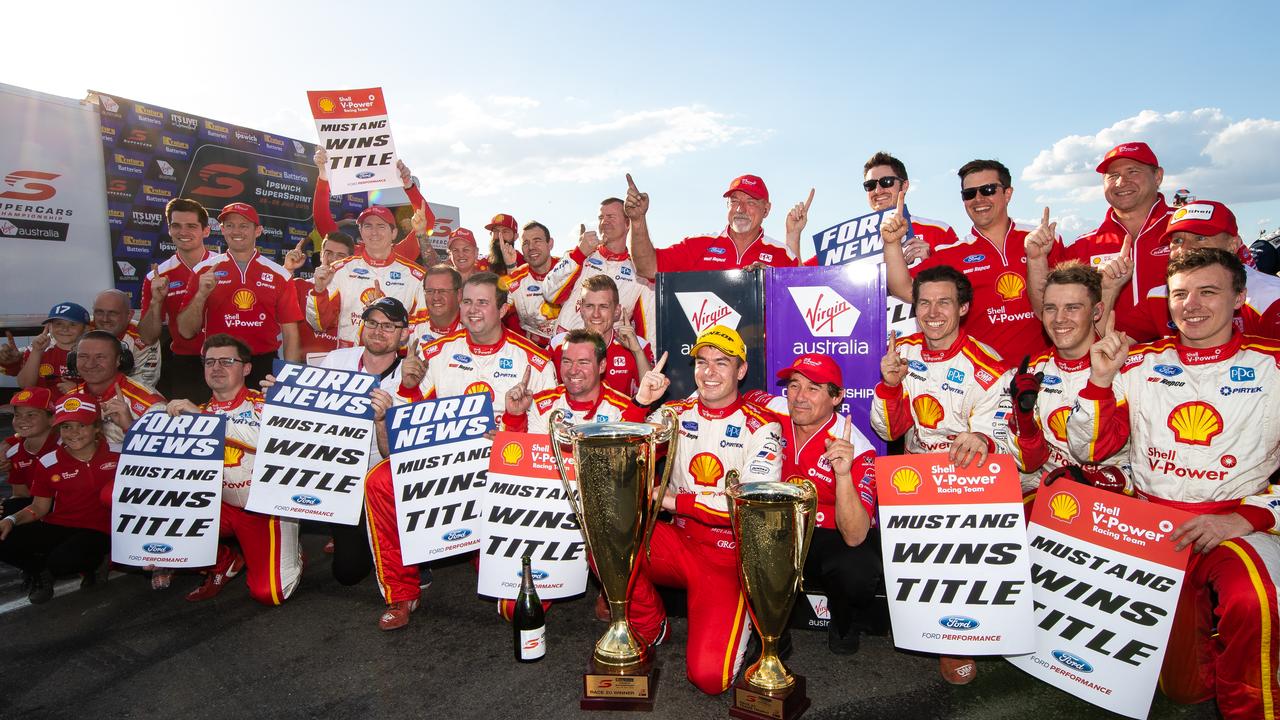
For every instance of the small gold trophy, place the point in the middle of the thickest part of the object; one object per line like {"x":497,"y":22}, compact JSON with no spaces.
{"x":614,"y":465}
{"x":772,"y":523}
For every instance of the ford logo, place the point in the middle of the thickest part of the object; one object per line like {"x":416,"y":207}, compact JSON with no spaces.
{"x":716,"y":250}
{"x":975,"y":258}
{"x":364,"y":175}
{"x":1075,"y":662}
{"x":157,"y":548}
{"x":1051,"y":380}
{"x":464,"y":359}
{"x":689,"y":425}
{"x":917,"y":366}
{"x":958,"y":622}
{"x":306,"y":499}
{"x":453,"y":535}
{"x":1168,"y":370}
{"x":537,"y":574}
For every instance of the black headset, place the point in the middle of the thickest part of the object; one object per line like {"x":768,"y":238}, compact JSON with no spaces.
{"x":124,"y":363}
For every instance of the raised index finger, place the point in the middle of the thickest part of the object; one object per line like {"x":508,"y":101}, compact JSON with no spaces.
{"x":809,"y":202}
{"x":902,"y":198}
{"x":1109,"y":326}
{"x":662,"y":362}
{"x":1044,"y":220}
{"x":848,"y":429}
{"x":1126,"y":249}
{"x":9,"y":336}
{"x":631,"y":184}
{"x":301,"y":242}
{"x":893,"y":341}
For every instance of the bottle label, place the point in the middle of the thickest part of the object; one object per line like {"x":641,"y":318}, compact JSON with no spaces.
{"x":533,"y":643}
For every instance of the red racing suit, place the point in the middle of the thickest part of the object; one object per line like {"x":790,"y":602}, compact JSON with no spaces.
{"x":407,"y":249}
{"x":621,"y":371}
{"x":313,"y":343}
{"x":250,"y":304}
{"x":1204,"y":428}
{"x":272,"y":552}
{"x":455,"y":366}
{"x":697,"y":550}
{"x":139,"y":399}
{"x":608,"y":406}
{"x":359,"y":280}
{"x":182,"y":286}
{"x":22,"y":461}
{"x":563,"y":288}
{"x":719,"y":252}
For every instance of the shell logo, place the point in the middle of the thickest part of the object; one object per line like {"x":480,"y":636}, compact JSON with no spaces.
{"x":370,"y":294}
{"x":46,"y":370}
{"x":928,"y":411}
{"x":511,"y":453}
{"x":1010,"y":286}
{"x":1058,"y":423}
{"x":1179,"y":214}
{"x":56,"y":477}
{"x":244,"y":299}
{"x":549,"y":311}
{"x":326,"y":104}
{"x":22,"y":396}
{"x":479,"y":387}
{"x":906,"y":480}
{"x":1064,"y":506}
{"x":706,"y":469}
{"x":499,"y":218}
{"x":1195,"y":423}
{"x":232,"y":456}
{"x":70,"y":405}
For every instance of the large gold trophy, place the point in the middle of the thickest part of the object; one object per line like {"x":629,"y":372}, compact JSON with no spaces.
{"x":614,"y":465}
{"x":773,"y":524}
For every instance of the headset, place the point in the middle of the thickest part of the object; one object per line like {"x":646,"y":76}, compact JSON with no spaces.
{"x":125,"y":363}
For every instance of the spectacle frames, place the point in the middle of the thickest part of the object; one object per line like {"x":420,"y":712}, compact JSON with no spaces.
{"x":384,"y":327}
{"x":224,"y":362}
{"x":885,"y":182}
{"x":987,"y":190}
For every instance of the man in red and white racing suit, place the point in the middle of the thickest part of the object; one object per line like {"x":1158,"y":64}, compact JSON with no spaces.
{"x":719,"y":432}
{"x":269,"y":550}
{"x":531,"y":314}
{"x":1205,"y":435}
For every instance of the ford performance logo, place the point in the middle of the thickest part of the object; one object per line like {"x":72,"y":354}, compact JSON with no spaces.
{"x":537,"y":574}
{"x":917,"y":366}
{"x":689,"y":425}
{"x":157,"y":548}
{"x":1168,"y":370}
{"x":1051,"y":380}
{"x":716,"y":250}
{"x":958,"y":622}
{"x":364,"y":175}
{"x":1074,"y":662}
{"x":455,"y":535}
{"x":975,"y":259}
{"x":464,"y":359}
{"x":309,"y":500}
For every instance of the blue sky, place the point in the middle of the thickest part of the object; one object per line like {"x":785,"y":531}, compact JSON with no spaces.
{"x":539,"y":109}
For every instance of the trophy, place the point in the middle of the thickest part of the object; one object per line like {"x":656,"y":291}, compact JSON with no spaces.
{"x":614,"y":465}
{"x":772,"y":523}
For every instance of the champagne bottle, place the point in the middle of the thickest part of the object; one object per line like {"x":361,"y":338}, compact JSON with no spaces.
{"x":528,"y":623}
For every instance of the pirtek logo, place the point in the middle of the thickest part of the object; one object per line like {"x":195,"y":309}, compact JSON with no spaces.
{"x":27,"y":186}
{"x":219,"y":180}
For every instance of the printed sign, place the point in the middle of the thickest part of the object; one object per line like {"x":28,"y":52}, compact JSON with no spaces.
{"x":355,"y":131}
{"x":858,"y":241}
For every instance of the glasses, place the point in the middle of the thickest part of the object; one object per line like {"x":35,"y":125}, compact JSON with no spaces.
{"x":885,"y":182}
{"x":384,"y":327}
{"x":752,"y":203}
{"x":987,"y":191}
{"x":224,"y":362}
{"x":434,"y":291}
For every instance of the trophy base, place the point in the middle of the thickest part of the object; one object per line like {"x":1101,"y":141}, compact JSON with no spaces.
{"x":752,"y":703}
{"x":606,"y":690}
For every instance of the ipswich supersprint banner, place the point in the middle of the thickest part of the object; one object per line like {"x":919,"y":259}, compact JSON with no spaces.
{"x":858,"y":241}
{"x":955,"y":555}
{"x":439,"y":462}
{"x":1106,"y":581}
{"x":836,"y":311}
{"x":527,"y":513}
{"x":167,"y":502}
{"x":354,"y":129}
{"x":153,"y":155}
{"x":313,"y":446}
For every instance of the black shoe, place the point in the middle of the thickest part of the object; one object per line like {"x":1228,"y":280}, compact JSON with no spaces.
{"x":41,"y":588}
{"x":843,"y":643}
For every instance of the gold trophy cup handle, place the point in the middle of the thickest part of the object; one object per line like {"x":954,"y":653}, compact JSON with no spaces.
{"x":554,"y":425}
{"x":671,"y":425}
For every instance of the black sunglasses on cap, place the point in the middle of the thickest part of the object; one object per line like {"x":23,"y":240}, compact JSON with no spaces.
{"x":885,"y":182}
{"x":987,"y":191}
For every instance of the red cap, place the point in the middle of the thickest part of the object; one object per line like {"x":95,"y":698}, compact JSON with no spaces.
{"x":239,"y":208}
{"x":1203,"y":217}
{"x":502,"y":221}
{"x":818,"y":368}
{"x":379,"y":212}
{"x":1139,"y":151}
{"x":462,"y":234}
{"x":75,"y":407}
{"x":33,"y":397}
{"x":749,"y":184}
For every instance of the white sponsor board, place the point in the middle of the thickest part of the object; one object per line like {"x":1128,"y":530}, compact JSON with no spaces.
{"x":356,"y":133}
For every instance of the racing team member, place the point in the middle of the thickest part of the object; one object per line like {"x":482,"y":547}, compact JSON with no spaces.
{"x":1131,"y":177}
{"x":1207,"y":444}
{"x":942,"y":389}
{"x":44,"y":363}
{"x":113,"y":312}
{"x":168,"y":288}
{"x":102,"y":365}
{"x":502,"y":258}
{"x":464,"y":253}
{"x":629,"y":355}
{"x":244,"y":294}
{"x":719,"y":432}
{"x":531,"y":314}
{"x":741,"y":244}
{"x":993,"y":255}
{"x":408,"y":249}
{"x":443,"y":289}
{"x":1044,"y":391}
{"x":32,"y":438}
{"x":602,"y":253}
{"x":269,"y":553}
{"x":66,"y":528}
{"x":314,"y":344}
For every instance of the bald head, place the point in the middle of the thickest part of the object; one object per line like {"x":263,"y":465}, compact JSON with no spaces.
{"x":112,"y":311}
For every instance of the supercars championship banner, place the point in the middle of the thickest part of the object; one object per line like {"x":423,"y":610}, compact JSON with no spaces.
{"x":857,"y":241}
{"x":955,"y":555}
{"x":439,"y":464}
{"x":167,"y":501}
{"x":837,"y":311}
{"x":1106,"y":581}
{"x":691,"y":302}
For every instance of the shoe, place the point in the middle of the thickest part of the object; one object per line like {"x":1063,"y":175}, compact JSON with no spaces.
{"x":41,"y":588}
{"x":843,"y":643}
{"x":216,"y":579}
{"x":663,"y":630}
{"x":602,"y":608}
{"x":956,"y":670}
{"x":160,"y":578}
{"x":328,"y":547}
{"x":397,"y":615}
{"x":425,"y":577}
{"x":27,"y":581}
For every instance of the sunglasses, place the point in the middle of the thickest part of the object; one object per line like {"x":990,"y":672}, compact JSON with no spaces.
{"x":885,"y":182}
{"x":987,"y":191}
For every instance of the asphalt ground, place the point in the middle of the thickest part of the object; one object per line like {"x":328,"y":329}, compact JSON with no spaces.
{"x":125,"y":651}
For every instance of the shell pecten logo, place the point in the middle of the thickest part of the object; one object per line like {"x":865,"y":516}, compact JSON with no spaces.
{"x":231,"y":456}
{"x":244,"y":299}
{"x":1058,"y":423}
{"x":906,"y":480}
{"x":706,"y":469}
{"x":511,"y":453}
{"x":1195,"y":423}
{"x":1010,"y":286}
{"x":479,"y":387}
{"x":70,"y":405}
{"x":22,"y":396}
{"x":370,"y":294}
{"x":326,"y":104}
{"x":928,"y":411}
{"x":1064,"y":506}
